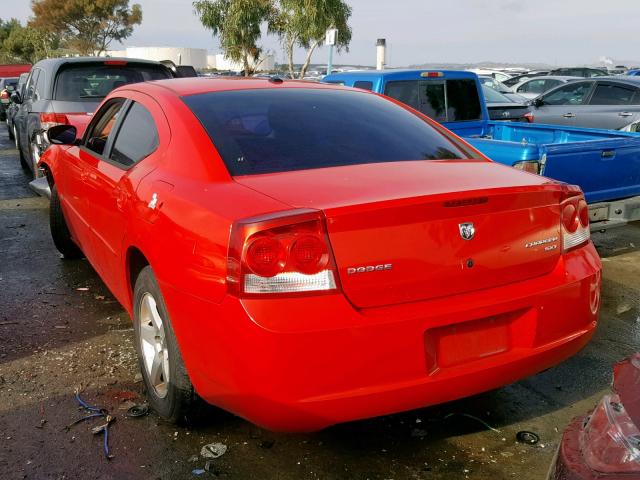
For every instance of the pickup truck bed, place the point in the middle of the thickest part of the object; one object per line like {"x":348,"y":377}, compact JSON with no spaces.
{"x":604,"y":163}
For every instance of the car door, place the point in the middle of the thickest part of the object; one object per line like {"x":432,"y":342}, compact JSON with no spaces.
{"x":561,"y":105}
{"x":612,"y":106}
{"x":21,"y":119}
{"x":73,"y":173}
{"x":113,"y":179}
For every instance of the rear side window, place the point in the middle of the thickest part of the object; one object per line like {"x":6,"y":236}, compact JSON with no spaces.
{"x":363,"y":85}
{"x":92,"y":82}
{"x":608,"y":94}
{"x":444,"y":101}
{"x":137,"y":137}
{"x":534,"y":86}
{"x":269,"y":130}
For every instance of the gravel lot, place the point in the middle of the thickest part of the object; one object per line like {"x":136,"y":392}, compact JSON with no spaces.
{"x":60,"y":329}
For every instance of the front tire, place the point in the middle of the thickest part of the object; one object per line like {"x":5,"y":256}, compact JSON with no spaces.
{"x":59,"y":229}
{"x":169,"y":389}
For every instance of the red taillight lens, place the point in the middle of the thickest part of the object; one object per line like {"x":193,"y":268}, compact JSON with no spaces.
{"x":574,"y":221}
{"x":286,"y":253}
{"x":4,"y":95}
{"x":529,"y":117}
{"x":266,"y":256}
{"x":583,"y":213}
{"x":308,"y":254}
{"x":570,"y":217}
{"x":48,"y":120}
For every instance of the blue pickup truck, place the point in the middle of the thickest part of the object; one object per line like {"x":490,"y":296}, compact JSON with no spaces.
{"x":604,"y":163}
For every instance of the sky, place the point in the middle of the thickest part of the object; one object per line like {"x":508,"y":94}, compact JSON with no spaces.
{"x":554,"y":32}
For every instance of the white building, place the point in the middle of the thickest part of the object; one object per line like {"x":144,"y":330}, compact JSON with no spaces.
{"x":220,"y":62}
{"x":196,"y":57}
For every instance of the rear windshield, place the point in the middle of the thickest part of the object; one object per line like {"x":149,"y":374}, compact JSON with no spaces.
{"x":442,"y":100}
{"x":269,"y":130}
{"x":91,"y":82}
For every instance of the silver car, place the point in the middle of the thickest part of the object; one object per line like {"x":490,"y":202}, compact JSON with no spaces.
{"x":534,"y":87}
{"x":603,"y":102}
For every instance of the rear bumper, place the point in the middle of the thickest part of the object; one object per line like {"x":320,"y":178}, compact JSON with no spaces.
{"x":301,"y":364}
{"x":605,"y":215}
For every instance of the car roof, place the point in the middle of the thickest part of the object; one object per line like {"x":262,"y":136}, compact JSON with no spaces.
{"x":55,"y":63}
{"x":197,"y":85}
{"x":629,"y":80}
{"x":554,"y":77}
{"x":406,"y":74}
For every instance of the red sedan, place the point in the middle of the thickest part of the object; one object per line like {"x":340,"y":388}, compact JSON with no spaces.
{"x":304,"y":254}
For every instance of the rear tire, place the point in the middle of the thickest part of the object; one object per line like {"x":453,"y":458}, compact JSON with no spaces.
{"x":23,"y":161}
{"x":169,"y":389}
{"x":59,"y":229}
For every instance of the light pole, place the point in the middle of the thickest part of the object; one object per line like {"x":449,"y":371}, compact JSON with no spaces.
{"x":330,"y":39}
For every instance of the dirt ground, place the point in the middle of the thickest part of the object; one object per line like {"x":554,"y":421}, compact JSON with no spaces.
{"x":60,"y":329}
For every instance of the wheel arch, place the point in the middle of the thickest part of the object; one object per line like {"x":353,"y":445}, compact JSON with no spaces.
{"x":136,"y":260}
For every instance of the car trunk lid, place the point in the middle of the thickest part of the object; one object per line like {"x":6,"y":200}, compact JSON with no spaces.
{"x":417,"y":230}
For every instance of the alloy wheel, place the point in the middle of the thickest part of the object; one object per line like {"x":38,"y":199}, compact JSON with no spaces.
{"x":153,"y":345}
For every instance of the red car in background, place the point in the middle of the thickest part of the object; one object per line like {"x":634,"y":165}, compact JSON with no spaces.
{"x":304,"y":254}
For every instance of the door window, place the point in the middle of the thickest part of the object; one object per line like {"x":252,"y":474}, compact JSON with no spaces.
{"x":609,"y":94}
{"x":363,"y":85}
{"x":102,"y":126}
{"x":137,"y":137}
{"x":571,"y":94}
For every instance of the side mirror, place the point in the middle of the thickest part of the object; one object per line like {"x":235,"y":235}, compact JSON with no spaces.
{"x":16,"y":98}
{"x":537,"y":102}
{"x":62,"y":135}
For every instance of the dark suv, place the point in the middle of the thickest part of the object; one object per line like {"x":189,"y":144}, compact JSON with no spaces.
{"x":585,"y":72}
{"x":67,"y":91}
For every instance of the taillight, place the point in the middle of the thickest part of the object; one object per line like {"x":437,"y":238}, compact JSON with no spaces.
{"x":574,"y":222}
{"x":4,"y":95}
{"x":529,"y":117}
{"x":609,"y":441}
{"x":531,"y":166}
{"x":283,"y":253}
{"x":48,"y":120}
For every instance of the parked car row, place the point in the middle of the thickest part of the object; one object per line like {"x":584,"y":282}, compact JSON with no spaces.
{"x":263,"y":233}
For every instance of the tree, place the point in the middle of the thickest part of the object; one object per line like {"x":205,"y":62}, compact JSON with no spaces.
{"x":237,"y":23}
{"x":89,"y":26}
{"x":29,"y":45}
{"x":303,"y":23}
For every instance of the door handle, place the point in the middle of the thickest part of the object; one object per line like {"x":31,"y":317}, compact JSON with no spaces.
{"x":569,"y":115}
{"x":625,"y":114}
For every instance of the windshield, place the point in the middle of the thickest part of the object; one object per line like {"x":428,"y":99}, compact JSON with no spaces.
{"x":491,"y":96}
{"x":93,"y":82}
{"x":269,"y":130}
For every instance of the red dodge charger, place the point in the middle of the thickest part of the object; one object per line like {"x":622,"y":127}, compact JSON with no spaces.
{"x":304,"y":254}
